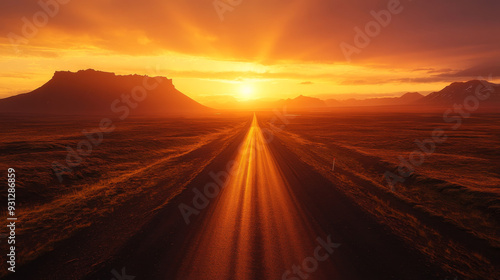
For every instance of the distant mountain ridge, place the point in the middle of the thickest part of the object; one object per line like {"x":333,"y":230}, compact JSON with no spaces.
{"x":302,"y":102}
{"x":91,"y":92}
{"x":405,"y":99}
{"x":457,"y":92}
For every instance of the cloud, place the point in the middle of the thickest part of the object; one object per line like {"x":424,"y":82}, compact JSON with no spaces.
{"x":269,"y":31}
{"x":482,"y":70}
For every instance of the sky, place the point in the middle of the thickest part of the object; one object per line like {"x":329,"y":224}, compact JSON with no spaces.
{"x":255,"y":49}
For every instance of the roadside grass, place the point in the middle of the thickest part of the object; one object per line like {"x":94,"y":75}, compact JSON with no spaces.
{"x":459,"y":182}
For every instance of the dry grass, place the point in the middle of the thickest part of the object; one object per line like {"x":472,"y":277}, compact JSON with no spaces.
{"x":459,"y":182}
{"x":142,"y":158}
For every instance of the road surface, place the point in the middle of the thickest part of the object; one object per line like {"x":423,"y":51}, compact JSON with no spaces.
{"x":258,"y":229}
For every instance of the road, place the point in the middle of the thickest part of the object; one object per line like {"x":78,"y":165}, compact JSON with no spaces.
{"x":257,"y":230}
{"x":271,"y":216}
{"x":274,"y":218}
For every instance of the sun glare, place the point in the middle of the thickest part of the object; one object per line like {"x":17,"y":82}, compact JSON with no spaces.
{"x":246,"y":92}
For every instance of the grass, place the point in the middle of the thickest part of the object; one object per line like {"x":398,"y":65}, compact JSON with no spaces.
{"x":459,"y":182}
{"x":143,"y":160}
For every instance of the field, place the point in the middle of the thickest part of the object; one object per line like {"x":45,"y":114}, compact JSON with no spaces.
{"x":141,"y":160}
{"x":119,"y":203}
{"x":457,"y":183}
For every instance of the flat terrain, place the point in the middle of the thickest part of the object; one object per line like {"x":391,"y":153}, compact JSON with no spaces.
{"x":141,"y":164}
{"x":449,"y":208}
{"x":255,"y":197}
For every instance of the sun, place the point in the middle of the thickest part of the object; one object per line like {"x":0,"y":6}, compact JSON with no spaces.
{"x":246,"y":92}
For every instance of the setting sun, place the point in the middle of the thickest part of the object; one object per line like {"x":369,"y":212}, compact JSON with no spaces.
{"x":246,"y":92}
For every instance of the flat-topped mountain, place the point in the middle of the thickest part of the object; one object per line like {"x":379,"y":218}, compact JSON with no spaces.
{"x":91,"y":92}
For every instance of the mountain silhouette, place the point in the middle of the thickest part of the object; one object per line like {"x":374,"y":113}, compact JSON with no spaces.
{"x":457,"y":93}
{"x":91,"y":92}
{"x":302,"y":103}
{"x":405,"y":99}
{"x":409,"y":97}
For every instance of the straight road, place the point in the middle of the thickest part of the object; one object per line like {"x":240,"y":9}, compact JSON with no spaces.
{"x":258,"y":229}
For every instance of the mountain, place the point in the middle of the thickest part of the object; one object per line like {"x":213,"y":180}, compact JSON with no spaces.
{"x":302,"y":103}
{"x":91,"y":92}
{"x":333,"y":103}
{"x":405,"y":99}
{"x":456,"y":93}
{"x":409,"y":97}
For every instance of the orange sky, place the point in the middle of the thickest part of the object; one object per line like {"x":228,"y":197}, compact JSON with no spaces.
{"x":254,"y":49}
